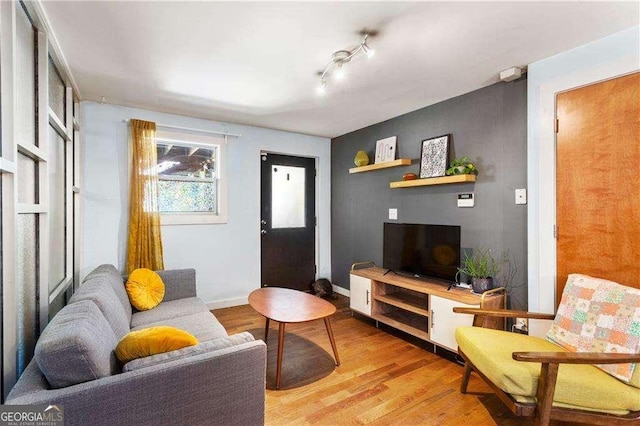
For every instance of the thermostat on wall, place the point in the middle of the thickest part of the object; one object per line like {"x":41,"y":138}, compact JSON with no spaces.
{"x":465,"y":200}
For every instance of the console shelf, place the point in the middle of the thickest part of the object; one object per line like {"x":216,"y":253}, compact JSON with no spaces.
{"x":443,"y":180}
{"x":404,"y":301}
{"x":420,"y":307}
{"x":385,"y":165}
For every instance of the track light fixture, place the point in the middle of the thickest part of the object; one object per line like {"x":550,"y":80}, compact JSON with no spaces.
{"x":338,"y":59}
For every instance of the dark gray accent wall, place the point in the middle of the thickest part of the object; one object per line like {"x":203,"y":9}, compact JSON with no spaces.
{"x":490,"y":127}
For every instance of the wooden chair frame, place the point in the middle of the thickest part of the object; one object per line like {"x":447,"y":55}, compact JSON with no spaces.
{"x":543,"y":411}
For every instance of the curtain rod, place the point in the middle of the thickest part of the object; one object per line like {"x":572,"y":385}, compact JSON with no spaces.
{"x":168,"y":126}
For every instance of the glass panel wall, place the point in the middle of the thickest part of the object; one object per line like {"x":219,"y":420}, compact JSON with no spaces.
{"x":57,"y":93}
{"x":27,"y":188}
{"x":57,"y":209}
{"x":25,"y":79}
{"x":27,"y":278}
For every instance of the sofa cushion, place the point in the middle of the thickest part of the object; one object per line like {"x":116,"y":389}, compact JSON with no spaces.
{"x":101,"y":293}
{"x":597,"y":315}
{"x":145,"y":289}
{"x":169,"y":310}
{"x":152,"y":341}
{"x":204,"y":347}
{"x":578,"y":386}
{"x":204,"y":325}
{"x":110,"y":275}
{"x":77,"y":346}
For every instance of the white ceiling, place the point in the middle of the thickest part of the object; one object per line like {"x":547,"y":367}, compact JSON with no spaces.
{"x":256,"y":63}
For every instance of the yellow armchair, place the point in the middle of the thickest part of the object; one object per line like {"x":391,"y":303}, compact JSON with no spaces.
{"x":537,"y":378}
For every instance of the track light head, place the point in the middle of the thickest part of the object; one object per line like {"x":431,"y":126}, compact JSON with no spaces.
{"x":338,"y":59}
{"x":339,"y":74}
{"x":367,"y":50}
{"x":321,"y":90}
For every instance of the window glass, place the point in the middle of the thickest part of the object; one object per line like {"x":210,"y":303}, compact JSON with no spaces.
{"x":187,"y":177}
{"x":25,"y":80}
{"x":27,"y":256}
{"x":57,"y":209}
{"x":287,"y":197}
{"x":57,"y":93}
{"x":27,"y":168}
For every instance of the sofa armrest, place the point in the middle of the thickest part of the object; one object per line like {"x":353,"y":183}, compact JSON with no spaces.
{"x":576,"y":357}
{"x":222,"y":387}
{"x":178,"y":283}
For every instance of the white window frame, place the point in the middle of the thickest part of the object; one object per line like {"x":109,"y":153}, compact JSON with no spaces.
{"x":200,"y":218}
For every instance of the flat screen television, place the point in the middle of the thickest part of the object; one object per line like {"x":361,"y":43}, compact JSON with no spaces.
{"x":431,"y":251}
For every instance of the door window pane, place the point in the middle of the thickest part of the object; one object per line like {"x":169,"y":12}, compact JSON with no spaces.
{"x":25,"y":80}
{"x":57,"y":209}
{"x":27,"y":284}
{"x":27,"y":179}
{"x":57,"y":93}
{"x":287,"y":197}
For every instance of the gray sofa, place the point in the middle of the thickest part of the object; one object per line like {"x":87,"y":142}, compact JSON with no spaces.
{"x":219,"y":381}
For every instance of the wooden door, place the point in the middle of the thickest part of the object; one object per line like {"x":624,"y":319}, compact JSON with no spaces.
{"x":288,"y":221}
{"x":598,"y":182}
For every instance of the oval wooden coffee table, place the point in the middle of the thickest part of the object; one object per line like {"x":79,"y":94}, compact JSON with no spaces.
{"x":286,"y":306}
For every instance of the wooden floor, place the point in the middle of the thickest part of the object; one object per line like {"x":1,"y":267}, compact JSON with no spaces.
{"x":386,"y":377}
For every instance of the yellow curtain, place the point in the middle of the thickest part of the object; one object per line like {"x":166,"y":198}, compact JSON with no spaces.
{"x":144,"y":248}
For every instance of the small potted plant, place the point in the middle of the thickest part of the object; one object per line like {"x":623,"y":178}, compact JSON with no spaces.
{"x":461,"y":166}
{"x":482,"y":267}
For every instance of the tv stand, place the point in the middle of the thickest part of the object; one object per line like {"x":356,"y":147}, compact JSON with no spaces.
{"x":390,"y":270}
{"x":421,"y":307}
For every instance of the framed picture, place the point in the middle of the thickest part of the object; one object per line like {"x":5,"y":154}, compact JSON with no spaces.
{"x":386,"y":150}
{"x":435,"y":154}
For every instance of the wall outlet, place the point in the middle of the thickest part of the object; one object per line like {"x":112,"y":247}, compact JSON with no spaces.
{"x":521,"y":325}
{"x":393,"y":214}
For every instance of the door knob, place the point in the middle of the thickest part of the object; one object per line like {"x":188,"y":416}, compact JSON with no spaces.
{"x":263,"y":231}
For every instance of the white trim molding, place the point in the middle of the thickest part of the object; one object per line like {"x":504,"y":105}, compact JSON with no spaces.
{"x":603,"y":59}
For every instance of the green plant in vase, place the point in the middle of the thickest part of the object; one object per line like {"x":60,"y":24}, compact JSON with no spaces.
{"x":461,"y":166}
{"x":482,"y":267}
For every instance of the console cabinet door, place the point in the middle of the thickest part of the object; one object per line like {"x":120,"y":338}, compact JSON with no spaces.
{"x":444,"y":321}
{"x":360,"y":298}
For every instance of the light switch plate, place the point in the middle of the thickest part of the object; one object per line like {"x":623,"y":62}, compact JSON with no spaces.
{"x":521,"y":196}
{"x":393,"y":214}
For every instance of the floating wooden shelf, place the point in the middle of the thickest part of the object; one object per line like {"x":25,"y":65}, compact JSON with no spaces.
{"x":371,"y":167}
{"x":444,"y":180}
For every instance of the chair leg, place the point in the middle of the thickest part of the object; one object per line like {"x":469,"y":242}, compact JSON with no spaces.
{"x":465,"y":377}
{"x":544,"y":395}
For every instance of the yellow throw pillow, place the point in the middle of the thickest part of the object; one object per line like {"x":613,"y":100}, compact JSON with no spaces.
{"x":152,"y":341}
{"x":145,"y":289}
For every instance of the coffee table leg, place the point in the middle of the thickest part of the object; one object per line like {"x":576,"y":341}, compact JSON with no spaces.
{"x":266,"y":331}
{"x":333,"y":341}
{"x":280,"y":347}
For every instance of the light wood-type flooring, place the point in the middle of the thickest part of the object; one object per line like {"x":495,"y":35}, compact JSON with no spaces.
{"x":386,"y":377}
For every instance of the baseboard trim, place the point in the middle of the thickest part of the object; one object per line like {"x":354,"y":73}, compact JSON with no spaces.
{"x":228,"y":303}
{"x":341,"y":290}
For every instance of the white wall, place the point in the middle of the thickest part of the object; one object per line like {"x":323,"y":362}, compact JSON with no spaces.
{"x":226,"y":256}
{"x":609,"y":57}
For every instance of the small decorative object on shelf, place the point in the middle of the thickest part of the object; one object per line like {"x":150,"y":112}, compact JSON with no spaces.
{"x":386,"y":150}
{"x":462,"y":166}
{"x":409,"y":176}
{"x":435,"y":153}
{"x":361,"y":159}
{"x":482,"y":267}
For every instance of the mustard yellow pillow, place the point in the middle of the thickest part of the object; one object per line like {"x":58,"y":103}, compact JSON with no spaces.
{"x":145,"y":289}
{"x":152,"y":341}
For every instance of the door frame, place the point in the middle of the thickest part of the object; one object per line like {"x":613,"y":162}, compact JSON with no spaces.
{"x":316,"y":213}
{"x":541,"y":178}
